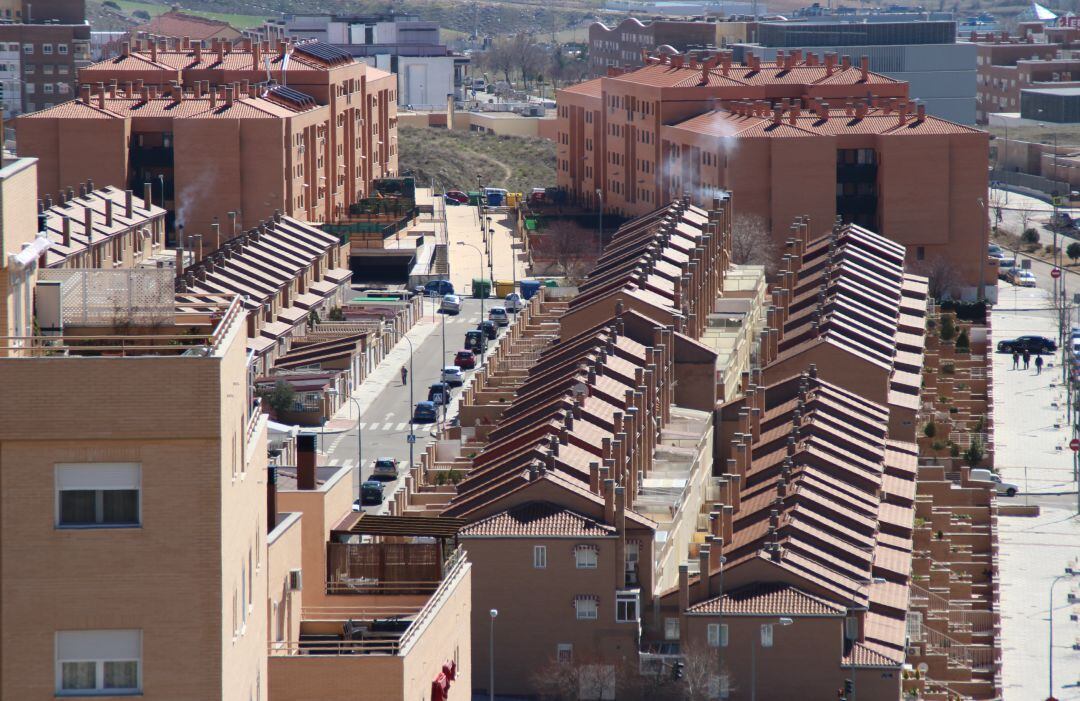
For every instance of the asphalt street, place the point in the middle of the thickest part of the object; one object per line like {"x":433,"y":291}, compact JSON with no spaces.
{"x":386,"y":422}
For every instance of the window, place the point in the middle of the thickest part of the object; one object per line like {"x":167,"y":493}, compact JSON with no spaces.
{"x":564,"y":652}
{"x":585,"y":608}
{"x":98,"y":662}
{"x":539,"y":556}
{"x":671,"y":629}
{"x":48,"y":88}
{"x":62,"y":49}
{"x":29,"y":68}
{"x":717,"y":634}
{"x":920,"y":253}
{"x":97,"y":495}
{"x":626,"y":607}
{"x":585,"y":557}
{"x":29,"y":88}
{"x":28,"y":49}
{"x":46,"y":49}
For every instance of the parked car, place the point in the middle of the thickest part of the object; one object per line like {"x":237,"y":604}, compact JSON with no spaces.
{"x":439,"y":394}
{"x":458,"y":196}
{"x":499,"y":316}
{"x":451,"y":375}
{"x":425,"y":413}
{"x":371,"y":492}
{"x":1006,"y":268}
{"x":1005,"y":488}
{"x":451,"y":304}
{"x":491,"y":332}
{"x":513,"y":303}
{"x":995,"y":251}
{"x":1024,"y":278}
{"x":385,"y":468}
{"x":438,"y":287}
{"x":465,"y":359}
{"x":1035,"y":344}
{"x":476,"y":341}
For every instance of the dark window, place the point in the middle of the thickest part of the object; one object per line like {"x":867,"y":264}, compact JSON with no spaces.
{"x":99,"y":507}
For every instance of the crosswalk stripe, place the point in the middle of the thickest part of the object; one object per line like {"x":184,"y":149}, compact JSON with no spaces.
{"x":388,"y":427}
{"x":335,"y":462}
{"x":362,"y":425}
{"x":401,"y":426}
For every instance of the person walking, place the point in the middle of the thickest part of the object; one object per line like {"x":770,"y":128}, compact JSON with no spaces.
{"x":1038,"y":364}
{"x":404,"y":374}
{"x":1016,"y":360}
{"x":1027,"y":359}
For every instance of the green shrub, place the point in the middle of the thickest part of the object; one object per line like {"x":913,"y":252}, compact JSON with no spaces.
{"x":937,"y":445}
{"x":281,"y":398}
{"x":1030,"y":235}
{"x":963,"y":342}
{"x":948,"y":369}
{"x":954,"y":450}
{"x":948,"y":327}
{"x":974,"y":454}
{"x":930,"y":430}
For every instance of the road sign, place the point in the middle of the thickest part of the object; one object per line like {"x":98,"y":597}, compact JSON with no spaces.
{"x":1075,"y":445}
{"x":1055,"y":273}
{"x":411,"y":438}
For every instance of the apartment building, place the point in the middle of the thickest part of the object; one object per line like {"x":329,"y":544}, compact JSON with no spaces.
{"x":622,"y":45}
{"x":216,"y":142}
{"x":175,"y":24}
{"x":1009,"y":64}
{"x":680,"y":127}
{"x":42,"y":47}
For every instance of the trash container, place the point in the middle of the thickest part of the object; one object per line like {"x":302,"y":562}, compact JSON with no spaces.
{"x":503,"y":288}
{"x":529,"y":288}
{"x":481,"y":288}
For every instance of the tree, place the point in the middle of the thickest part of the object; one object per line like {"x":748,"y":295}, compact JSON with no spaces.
{"x":948,"y":327}
{"x":141,"y":14}
{"x":1030,"y":236}
{"x":942,"y":275}
{"x":565,"y":247}
{"x":499,"y":58}
{"x":974,"y":454}
{"x":1073,"y":251}
{"x":752,"y":242}
{"x":281,"y":398}
{"x":527,"y":56}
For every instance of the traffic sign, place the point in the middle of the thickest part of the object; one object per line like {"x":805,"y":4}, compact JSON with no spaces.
{"x":411,"y":438}
{"x":1055,"y":273}
{"x":1075,"y":445}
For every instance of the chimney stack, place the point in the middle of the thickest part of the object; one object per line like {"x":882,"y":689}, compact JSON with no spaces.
{"x":845,"y":62}
{"x":88,"y":223}
{"x":108,"y":212}
{"x":128,"y":197}
{"x":153,"y":51}
{"x":84,"y":94}
{"x":305,"y":461}
{"x":920,"y":112}
{"x":67,"y":231}
{"x":864,"y":68}
{"x":147,"y":201}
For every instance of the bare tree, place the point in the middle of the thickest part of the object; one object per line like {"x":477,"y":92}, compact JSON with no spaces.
{"x":527,"y":56}
{"x":1025,"y":212}
{"x":943,"y":277}
{"x":752,"y":242}
{"x":500,"y":58}
{"x":565,"y":248}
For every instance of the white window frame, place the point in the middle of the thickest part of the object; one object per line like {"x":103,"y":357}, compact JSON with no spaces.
{"x":46,"y":49}
{"x":62,"y":49}
{"x":586,"y":557}
{"x":717,"y":634}
{"x":564,"y":652}
{"x":671,"y":628}
{"x":584,"y":606}
{"x":540,"y":557}
{"x":98,"y":477}
{"x":627,"y":598}
{"x":28,"y":49}
{"x":99,"y":647}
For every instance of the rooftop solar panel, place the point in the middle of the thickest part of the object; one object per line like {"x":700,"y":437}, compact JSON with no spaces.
{"x":324,"y":52}
{"x":292,"y":97}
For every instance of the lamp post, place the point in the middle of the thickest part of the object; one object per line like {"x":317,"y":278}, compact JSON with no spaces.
{"x":481,"y":254}
{"x":491,"y":656}
{"x":1050,"y":613}
{"x":490,"y":243}
{"x":599,"y":222}
{"x":753,"y":652}
{"x":161,"y":179}
{"x":412,"y":377}
{"x":359,"y":436}
{"x":720,"y":617}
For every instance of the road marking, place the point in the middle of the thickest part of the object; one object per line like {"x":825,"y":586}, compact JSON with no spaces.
{"x":401,"y":426}
{"x":388,"y":427}
{"x":363,"y":426}
{"x":335,"y":462}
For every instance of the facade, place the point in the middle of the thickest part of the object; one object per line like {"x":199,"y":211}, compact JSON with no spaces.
{"x":1058,"y":105}
{"x":215,"y":142}
{"x":670,"y":129}
{"x":939,"y":71}
{"x":51,"y":54}
{"x":428,"y":72}
{"x":621,"y":46}
{"x":1009,"y":66}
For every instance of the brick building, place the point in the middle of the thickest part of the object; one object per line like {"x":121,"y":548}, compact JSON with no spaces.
{"x":215,"y":141}
{"x":679,"y":126}
{"x":176,"y":24}
{"x":621,"y":45}
{"x":1007,"y":65}
{"x":42,"y":47}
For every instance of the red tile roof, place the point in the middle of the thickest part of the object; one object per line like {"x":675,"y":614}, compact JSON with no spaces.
{"x":180,"y":24}
{"x":862,"y":656}
{"x":538,"y":519}
{"x":726,"y":122}
{"x":768,"y":599}
{"x":666,"y":75}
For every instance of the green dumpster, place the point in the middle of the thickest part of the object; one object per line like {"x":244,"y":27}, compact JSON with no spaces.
{"x":481,"y":288}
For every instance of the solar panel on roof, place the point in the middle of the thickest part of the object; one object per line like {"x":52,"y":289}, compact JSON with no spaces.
{"x":292,"y":97}
{"x":324,"y":52}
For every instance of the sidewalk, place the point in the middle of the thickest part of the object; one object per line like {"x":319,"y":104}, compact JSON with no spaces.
{"x":465,"y":262}
{"x":1031,"y":430}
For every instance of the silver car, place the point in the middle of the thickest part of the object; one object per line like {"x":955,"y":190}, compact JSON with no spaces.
{"x":451,"y":304}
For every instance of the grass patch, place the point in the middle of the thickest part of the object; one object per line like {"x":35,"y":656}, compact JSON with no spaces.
{"x":129,"y":7}
{"x":455,"y":158}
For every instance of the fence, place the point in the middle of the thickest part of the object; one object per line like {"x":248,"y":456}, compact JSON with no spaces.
{"x":1027,"y":181}
{"x":139,"y":296}
{"x":370,"y":568}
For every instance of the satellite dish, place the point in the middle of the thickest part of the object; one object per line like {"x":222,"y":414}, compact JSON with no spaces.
{"x":923,"y":668}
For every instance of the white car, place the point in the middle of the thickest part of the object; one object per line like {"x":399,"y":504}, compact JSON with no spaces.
{"x":1025,"y":278}
{"x":513,"y":303}
{"x":499,"y":316}
{"x":451,"y":304}
{"x":1004,"y":488}
{"x":452,"y":375}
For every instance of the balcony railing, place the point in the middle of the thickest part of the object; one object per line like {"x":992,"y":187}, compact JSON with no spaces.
{"x":287,"y":648}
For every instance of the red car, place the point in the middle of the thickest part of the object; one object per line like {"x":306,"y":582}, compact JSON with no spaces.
{"x":458,"y":196}
{"x":465,"y":360}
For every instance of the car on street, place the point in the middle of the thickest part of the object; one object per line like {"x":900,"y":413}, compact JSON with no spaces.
{"x":371,"y":492}
{"x":439,"y":393}
{"x":491,"y":332}
{"x":1034,"y":344}
{"x":385,"y":468}
{"x":425,"y":413}
{"x":451,"y":304}
{"x":1005,"y":268}
{"x":1003,"y":488}
{"x":465,"y":359}
{"x":995,"y":251}
{"x":513,"y":303}
{"x":458,"y":196}
{"x":476,"y":341}
{"x":499,"y":316}
{"x":1025,"y":278}
{"x":436,"y":288}
{"x":452,"y":375}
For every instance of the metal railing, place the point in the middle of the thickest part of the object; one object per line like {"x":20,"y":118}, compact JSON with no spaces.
{"x":974,"y":657}
{"x":980,"y":621}
{"x":455,"y":565}
{"x":288,"y":648}
{"x":332,"y":614}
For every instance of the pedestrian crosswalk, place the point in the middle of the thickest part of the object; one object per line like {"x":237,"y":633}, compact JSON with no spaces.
{"x":384,"y":427}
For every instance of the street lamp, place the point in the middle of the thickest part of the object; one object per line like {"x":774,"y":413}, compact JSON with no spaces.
{"x":491,"y":655}
{"x":599,"y":222}
{"x":161,"y":177}
{"x":412,"y":376}
{"x":359,"y":436}
{"x":481,"y":254}
{"x":766,"y":631}
{"x":1067,"y":575}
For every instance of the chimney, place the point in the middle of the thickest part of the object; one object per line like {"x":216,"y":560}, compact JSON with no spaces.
{"x":594,"y":477}
{"x":88,"y":223}
{"x":128,"y":196}
{"x":860,"y":110}
{"x":777,"y":115}
{"x":101,"y":95}
{"x":780,"y":59}
{"x":684,"y":588}
{"x":67,"y":231}
{"x":84,"y":94}
{"x":213,"y":98}
{"x":920,"y":112}
{"x":229,"y":96}
{"x":147,"y":201}
{"x":179,"y":262}
{"x":845,"y":62}
{"x":145,"y":94}
{"x":108,"y":213}
{"x":830,"y":63}
{"x":198,"y":51}
{"x":125,"y":49}
{"x":305,"y":461}
{"x":256,"y":55}
{"x":864,"y":68}
{"x":609,"y":502}
{"x":153,"y":51}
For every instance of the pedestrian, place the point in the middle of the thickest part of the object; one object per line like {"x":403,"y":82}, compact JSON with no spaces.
{"x":404,"y":374}
{"x":1027,"y":359}
{"x":1016,"y":360}
{"x":1038,"y":365}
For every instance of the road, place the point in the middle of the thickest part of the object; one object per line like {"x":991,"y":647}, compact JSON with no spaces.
{"x":386,"y":419}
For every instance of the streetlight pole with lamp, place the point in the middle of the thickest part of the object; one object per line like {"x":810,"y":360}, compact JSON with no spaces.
{"x":1050,"y":614}
{"x":766,"y":632}
{"x":412,"y":425}
{"x":359,"y":435}
{"x":481,"y":254}
{"x":491,"y":656}
{"x":599,"y":221}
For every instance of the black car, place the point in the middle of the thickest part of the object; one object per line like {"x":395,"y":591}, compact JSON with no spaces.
{"x":476,"y":341}
{"x":1034,"y":344}
{"x":490,"y":329}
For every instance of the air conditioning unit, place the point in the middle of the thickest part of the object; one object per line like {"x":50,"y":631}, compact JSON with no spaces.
{"x":296,"y":580}
{"x":913,"y":651}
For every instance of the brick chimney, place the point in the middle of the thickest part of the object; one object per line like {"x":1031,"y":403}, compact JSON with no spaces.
{"x":101,"y":95}
{"x":256,"y":55}
{"x":845,"y":62}
{"x":305,"y":461}
{"x":153,"y":51}
{"x":777,"y":115}
{"x":920,"y":112}
{"x":864,"y":68}
{"x":125,"y":49}
{"x":84,"y":94}
{"x":830,"y":63}
{"x":88,"y":223}
{"x":147,"y":201}
{"x":128,"y":201}
{"x":230,"y":93}
{"x":66,"y":224}
{"x":108,"y":212}
{"x":780,"y":58}
{"x":860,"y":110}
{"x":198,"y":51}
